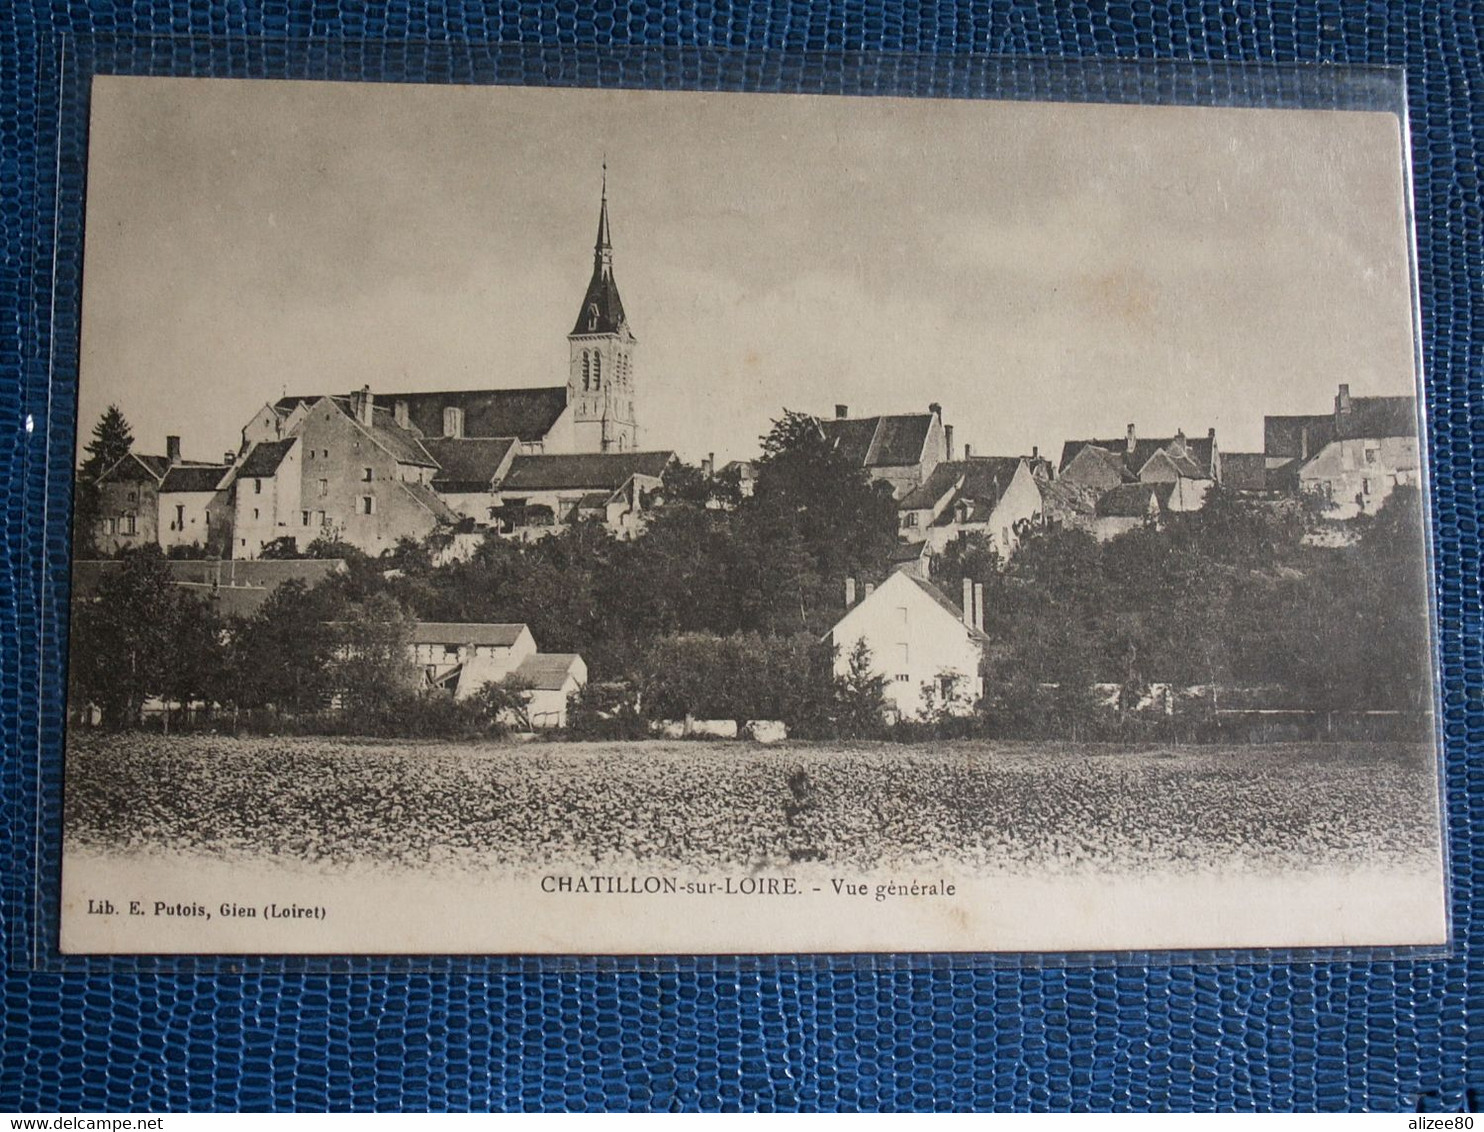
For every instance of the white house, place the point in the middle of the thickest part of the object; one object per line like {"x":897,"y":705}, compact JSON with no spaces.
{"x":553,"y":677}
{"x":460,"y":656}
{"x":928,"y":649}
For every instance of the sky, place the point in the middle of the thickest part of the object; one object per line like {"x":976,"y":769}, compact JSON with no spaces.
{"x":1043,"y":271}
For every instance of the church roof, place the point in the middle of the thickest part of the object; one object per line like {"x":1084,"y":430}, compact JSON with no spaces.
{"x":602,"y":309}
{"x":592,"y":471}
{"x":470,"y":463}
{"x":527,"y":414}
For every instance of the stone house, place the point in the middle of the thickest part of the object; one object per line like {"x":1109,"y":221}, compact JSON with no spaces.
{"x":1349,"y":459}
{"x":929,"y":650}
{"x":129,"y":503}
{"x":188,"y":513}
{"x":540,"y":494}
{"x":997,"y":497}
{"x":1191,"y":464}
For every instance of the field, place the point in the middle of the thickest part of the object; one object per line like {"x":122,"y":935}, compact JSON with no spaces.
{"x":1002,"y":807}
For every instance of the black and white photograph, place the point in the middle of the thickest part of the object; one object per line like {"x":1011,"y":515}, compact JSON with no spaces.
{"x":530,"y":520}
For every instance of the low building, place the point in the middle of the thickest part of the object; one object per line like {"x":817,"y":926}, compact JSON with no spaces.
{"x":541,"y":494}
{"x":1349,"y":459}
{"x":232,"y":587}
{"x":461,"y":657}
{"x":553,"y":678}
{"x":901,"y":449}
{"x":928,"y":649}
{"x":996,"y":497}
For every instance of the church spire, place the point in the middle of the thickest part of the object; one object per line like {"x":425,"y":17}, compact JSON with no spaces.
{"x":602,"y":310}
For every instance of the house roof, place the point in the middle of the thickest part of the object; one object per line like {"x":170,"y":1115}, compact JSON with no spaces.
{"x":1132,"y":500}
{"x":1064,"y":498}
{"x":1196,"y":462}
{"x":879,"y":442}
{"x":984,"y":481}
{"x":132,"y":463}
{"x":465,"y":633}
{"x":527,"y":414}
{"x":193,"y":477}
{"x":264,"y":458}
{"x":547,"y":671}
{"x":1244,"y":471}
{"x":1374,"y":417}
{"x":260,"y":576}
{"x":1369,"y":418}
{"x":468,"y":464}
{"x":430,"y":501}
{"x":595,"y":471}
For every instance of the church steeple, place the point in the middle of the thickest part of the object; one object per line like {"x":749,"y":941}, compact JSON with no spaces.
{"x":602,"y":309}
{"x":600,"y":380}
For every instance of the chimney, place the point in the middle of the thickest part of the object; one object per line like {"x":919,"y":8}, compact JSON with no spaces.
{"x":1210,"y":434}
{"x":979,"y":606}
{"x":849,"y":593}
{"x":968,"y":451}
{"x":172,"y":450}
{"x":361,"y":405}
{"x":399,"y":413}
{"x":1035,"y":451}
{"x":1304,"y":442}
{"x":948,"y":439}
{"x":841,"y":412}
{"x":229,"y":458}
{"x":708,"y":465}
{"x":1342,"y":400}
{"x":968,"y":601}
{"x":1131,"y":442}
{"x":936,"y":410}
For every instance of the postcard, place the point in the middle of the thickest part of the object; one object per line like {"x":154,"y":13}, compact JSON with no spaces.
{"x":528,"y":521}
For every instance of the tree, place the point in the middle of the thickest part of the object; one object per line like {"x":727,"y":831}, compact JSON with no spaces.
{"x":142,"y":636}
{"x":860,"y":696}
{"x":373,"y":664}
{"x":284,"y":655}
{"x":504,"y":704}
{"x":112,"y":441}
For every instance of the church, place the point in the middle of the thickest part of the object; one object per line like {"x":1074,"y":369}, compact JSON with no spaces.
{"x":371,"y":467}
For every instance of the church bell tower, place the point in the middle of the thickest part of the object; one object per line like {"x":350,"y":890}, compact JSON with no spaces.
{"x":600,"y":382}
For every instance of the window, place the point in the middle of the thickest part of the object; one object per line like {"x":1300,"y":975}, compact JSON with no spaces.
{"x":909,"y":519}
{"x":1370,"y":455}
{"x":255,"y":513}
{"x":902,"y":649}
{"x":453,"y":421}
{"x":257,"y":487}
{"x":587,"y":370}
{"x":324,"y":488}
{"x":597,"y":370}
{"x":243,"y":541}
{"x":324,"y":452}
{"x":366,"y":474}
{"x":129,"y":525}
{"x":111,"y":526}
{"x":133,"y":496}
{"x":304,"y":518}
{"x":319,"y":518}
{"x":1365,"y":487}
{"x":368,"y":505}
{"x":208,"y":520}
{"x":902,"y":678}
{"x":179,"y":517}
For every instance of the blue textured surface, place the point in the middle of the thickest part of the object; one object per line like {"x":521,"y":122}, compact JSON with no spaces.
{"x":736,"y":1033}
